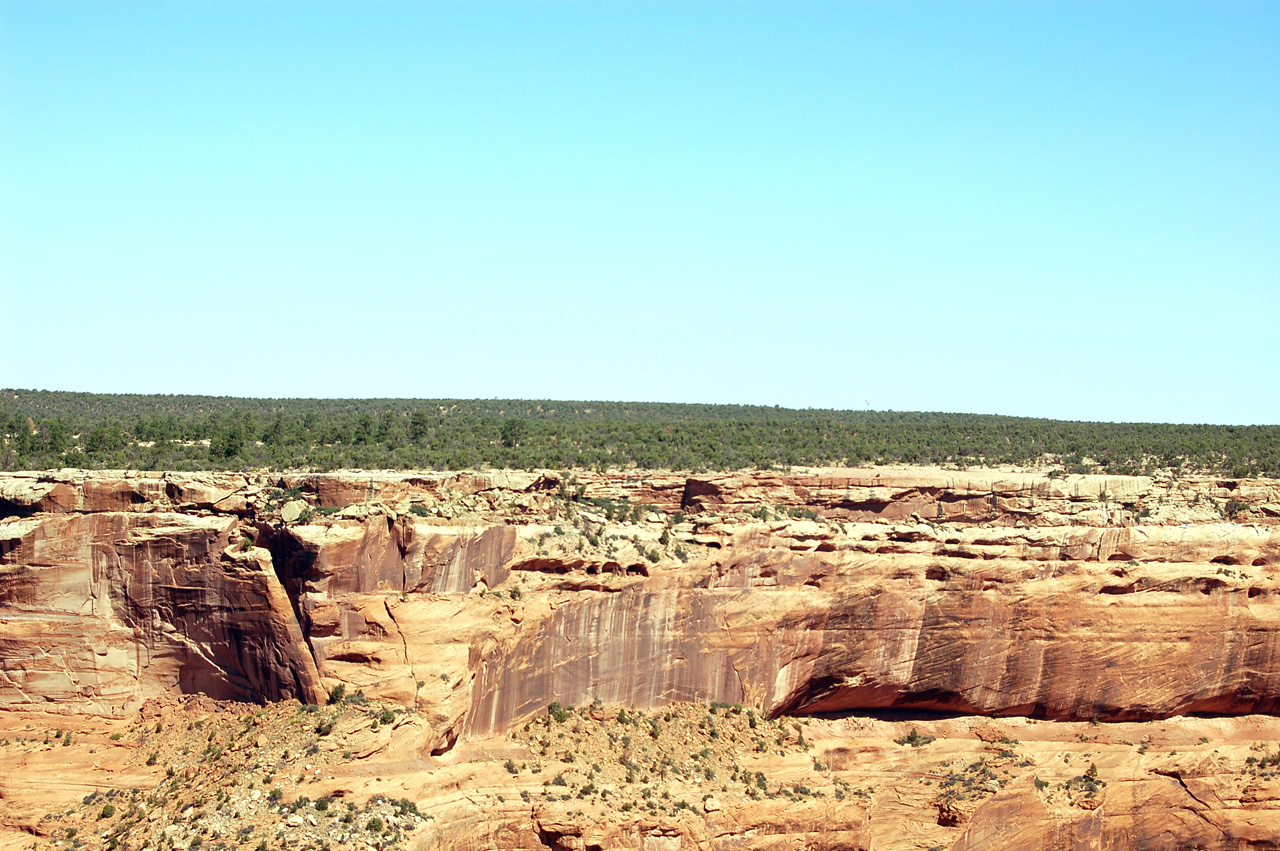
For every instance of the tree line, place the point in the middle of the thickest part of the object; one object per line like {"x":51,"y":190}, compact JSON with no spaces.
{"x":48,"y":429}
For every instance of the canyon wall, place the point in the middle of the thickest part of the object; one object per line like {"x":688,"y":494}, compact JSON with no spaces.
{"x":100,"y":611}
{"x":977,"y":602}
{"x":480,"y":598}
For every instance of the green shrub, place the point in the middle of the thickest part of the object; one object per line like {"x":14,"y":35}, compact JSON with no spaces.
{"x":914,"y":739}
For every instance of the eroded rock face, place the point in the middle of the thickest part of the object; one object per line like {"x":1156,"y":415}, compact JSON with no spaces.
{"x":478,"y":599}
{"x":102,"y":611}
{"x":383,"y":554}
{"x":989,"y":640}
{"x":475,"y":600}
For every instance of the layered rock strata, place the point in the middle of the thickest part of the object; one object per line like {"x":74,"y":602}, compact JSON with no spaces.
{"x":479,"y":598}
{"x":472,"y":601}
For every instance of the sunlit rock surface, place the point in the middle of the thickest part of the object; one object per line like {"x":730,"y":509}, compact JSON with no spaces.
{"x":475,"y":600}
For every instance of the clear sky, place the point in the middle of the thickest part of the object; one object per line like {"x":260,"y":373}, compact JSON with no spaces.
{"x":1050,"y":209}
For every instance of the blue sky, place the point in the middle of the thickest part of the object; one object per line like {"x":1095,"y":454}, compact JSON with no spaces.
{"x":1050,"y":209}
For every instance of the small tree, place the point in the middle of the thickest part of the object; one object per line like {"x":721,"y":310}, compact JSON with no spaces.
{"x":513,"y":431}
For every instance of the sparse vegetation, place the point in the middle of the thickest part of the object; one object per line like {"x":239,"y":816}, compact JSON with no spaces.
{"x":684,"y":746}
{"x":1086,"y":784}
{"x":213,"y":794}
{"x":914,"y":739}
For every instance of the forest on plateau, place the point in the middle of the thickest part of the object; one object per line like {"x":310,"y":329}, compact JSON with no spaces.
{"x":48,"y":429}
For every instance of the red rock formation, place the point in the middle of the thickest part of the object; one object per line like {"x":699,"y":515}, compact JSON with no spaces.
{"x":102,"y":611}
{"x":992,"y":593}
{"x":478,"y":599}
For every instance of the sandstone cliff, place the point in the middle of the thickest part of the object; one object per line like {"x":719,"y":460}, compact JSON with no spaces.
{"x":992,"y":594}
{"x":475,"y":600}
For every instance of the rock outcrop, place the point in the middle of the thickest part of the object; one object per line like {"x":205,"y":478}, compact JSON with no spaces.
{"x":102,"y":611}
{"x":479,"y":599}
{"x":474,"y":601}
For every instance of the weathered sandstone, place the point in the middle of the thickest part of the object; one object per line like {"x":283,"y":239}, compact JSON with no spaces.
{"x":102,"y":611}
{"x":475,"y":600}
{"x":992,"y":593}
